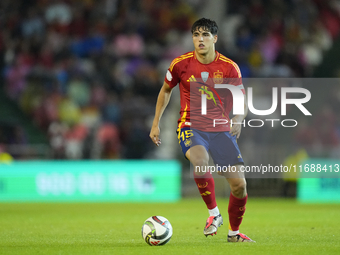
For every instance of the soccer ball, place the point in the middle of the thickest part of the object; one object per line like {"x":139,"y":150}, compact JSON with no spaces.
{"x":156,"y":230}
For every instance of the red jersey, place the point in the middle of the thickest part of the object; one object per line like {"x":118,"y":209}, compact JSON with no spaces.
{"x":195,"y":79}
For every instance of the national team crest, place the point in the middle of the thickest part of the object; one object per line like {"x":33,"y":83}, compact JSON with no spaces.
{"x":187,"y":142}
{"x":205,"y":76}
{"x":218,"y":77}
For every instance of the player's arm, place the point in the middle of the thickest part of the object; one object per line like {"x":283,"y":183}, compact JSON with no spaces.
{"x":162,"y":102}
{"x":238,"y":119}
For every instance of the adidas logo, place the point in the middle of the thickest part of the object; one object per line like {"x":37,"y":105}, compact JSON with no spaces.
{"x":192,"y":78}
{"x":207,"y":193}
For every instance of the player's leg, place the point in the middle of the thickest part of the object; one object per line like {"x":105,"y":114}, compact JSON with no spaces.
{"x":199,"y":158}
{"x":226,"y":154}
{"x":237,"y":205}
{"x":237,"y":202}
{"x":195,"y":147}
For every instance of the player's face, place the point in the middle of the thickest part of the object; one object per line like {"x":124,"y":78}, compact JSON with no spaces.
{"x":204,"y":41}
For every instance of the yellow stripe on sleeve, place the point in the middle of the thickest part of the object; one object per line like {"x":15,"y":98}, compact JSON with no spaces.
{"x":179,"y":59}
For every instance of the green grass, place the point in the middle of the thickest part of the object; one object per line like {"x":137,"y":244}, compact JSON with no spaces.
{"x":278,"y":226}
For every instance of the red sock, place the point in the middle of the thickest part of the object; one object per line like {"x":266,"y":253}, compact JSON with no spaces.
{"x":236,"y":209}
{"x":206,"y":187}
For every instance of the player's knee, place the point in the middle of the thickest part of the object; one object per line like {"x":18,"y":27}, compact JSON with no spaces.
{"x":200,"y":166}
{"x":239,"y":188}
{"x":199,"y":162}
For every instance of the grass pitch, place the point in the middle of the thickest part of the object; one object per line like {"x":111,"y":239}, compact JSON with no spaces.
{"x":278,"y":226}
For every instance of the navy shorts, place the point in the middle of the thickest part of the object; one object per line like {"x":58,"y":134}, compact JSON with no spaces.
{"x":222,"y":146}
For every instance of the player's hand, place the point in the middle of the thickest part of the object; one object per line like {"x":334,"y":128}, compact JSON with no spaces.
{"x":236,"y":128}
{"x":154,"y":135}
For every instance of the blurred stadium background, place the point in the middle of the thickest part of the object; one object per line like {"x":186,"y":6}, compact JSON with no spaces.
{"x":80,"y":79}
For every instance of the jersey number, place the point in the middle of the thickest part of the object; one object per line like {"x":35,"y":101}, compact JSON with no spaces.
{"x":186,"y":134}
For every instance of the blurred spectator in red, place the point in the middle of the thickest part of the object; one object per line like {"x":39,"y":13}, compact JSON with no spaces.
{"x":109,"y":141}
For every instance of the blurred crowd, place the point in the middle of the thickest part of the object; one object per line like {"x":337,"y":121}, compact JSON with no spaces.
{"x":275,"y":38}
{"x":88,"y":72}
{"x":320,"y":136}
{"x":280,"y":38}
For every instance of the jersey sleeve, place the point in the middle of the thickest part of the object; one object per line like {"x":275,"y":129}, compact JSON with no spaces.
{"x":171,"y":76}
{"x":235,"y":77}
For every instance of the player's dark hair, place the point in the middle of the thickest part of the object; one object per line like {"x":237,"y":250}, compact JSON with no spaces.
{"x":206,"y":25}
